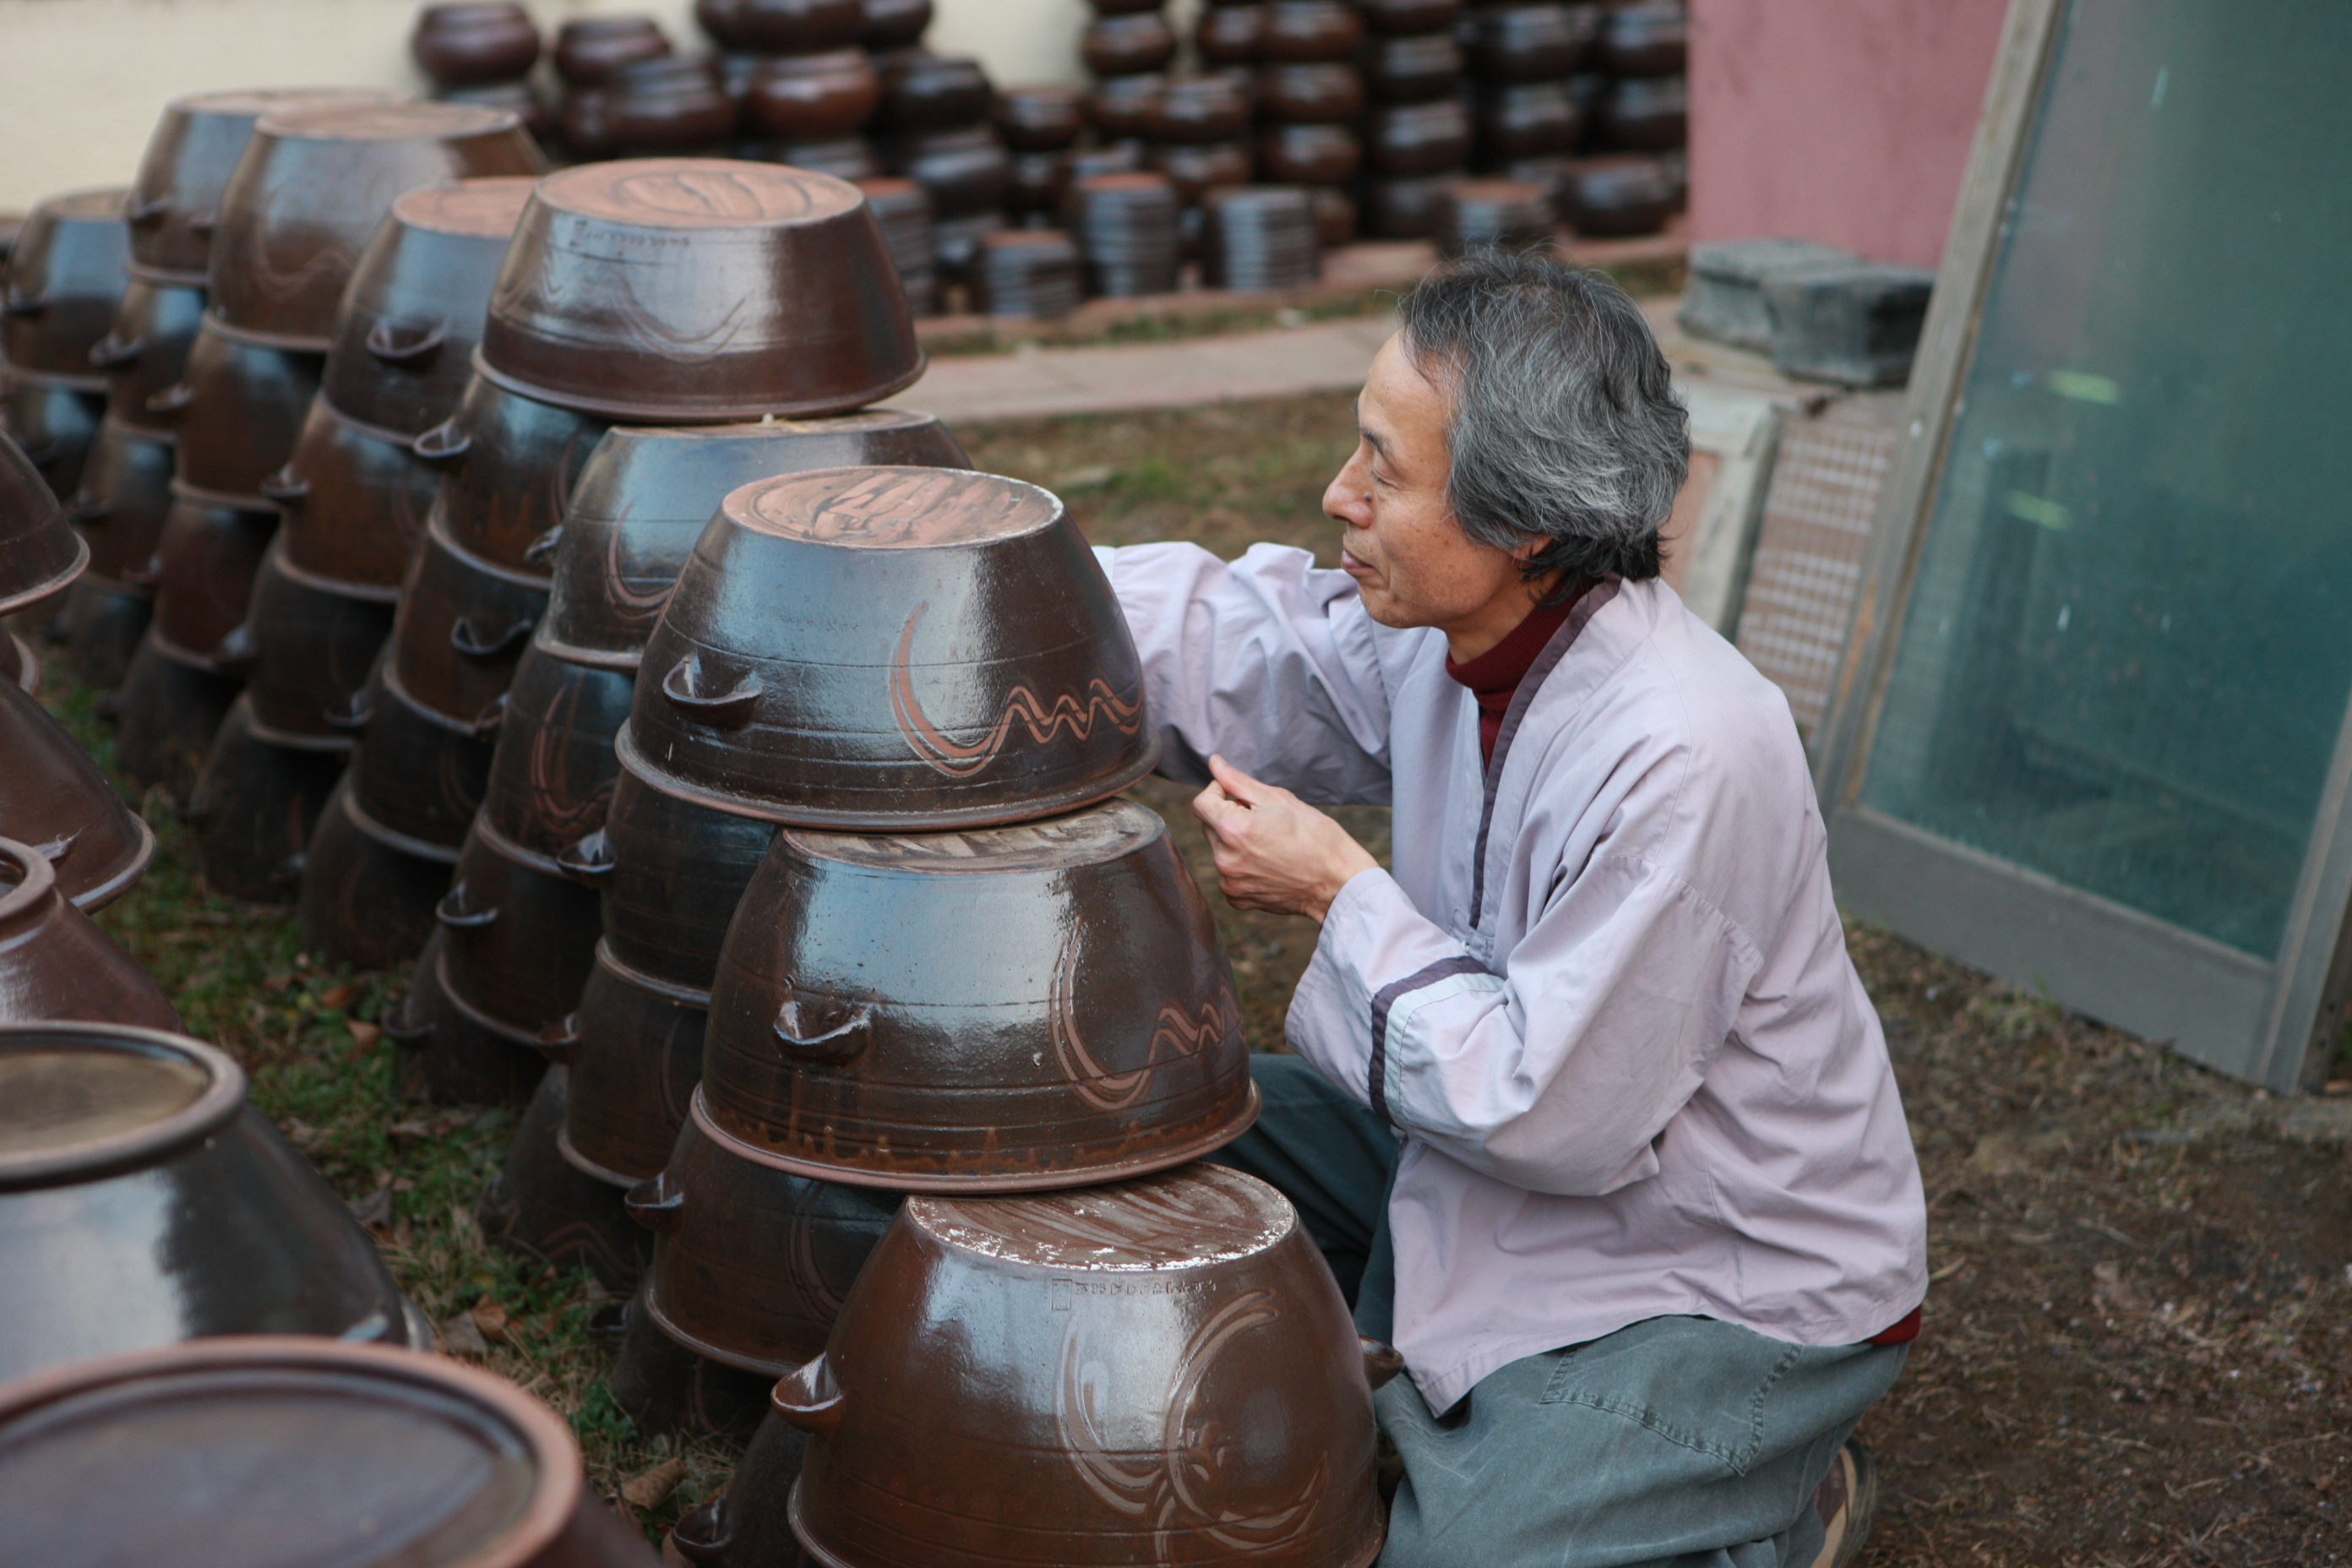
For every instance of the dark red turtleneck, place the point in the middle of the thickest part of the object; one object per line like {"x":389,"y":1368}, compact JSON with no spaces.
{"x":1493,"y":676}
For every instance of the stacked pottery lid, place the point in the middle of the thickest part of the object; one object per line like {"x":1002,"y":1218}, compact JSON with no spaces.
{"x":933,"y":128}
{"x":1260,"y":238}
{"x":1128,"y":229}
{"x":1040,"y":125}
{"x":1027,"y":273}
{"x":1494,"y":215}
{"x":903,"y":209}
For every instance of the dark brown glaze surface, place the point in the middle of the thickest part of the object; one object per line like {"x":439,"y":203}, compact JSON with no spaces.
{"x":1308,"y":154}
{"x":812,"y":97}
{"x":588,"y":49}
{"x":271,"y":1450}
{"x":54,"y":797}
{"x":1528,"y":119}
{"x":174,"y":201}
{"x":457,"y":44}
{"x":1404,"y":17}
{"x":781,"y":26}
{"x":1410,"y":68}
{"x":364,"y":902}
{"x":541,"y":1206}
{"x":238,"y":411}
{"x":451,"y":1052}
{"x":53,"y":419}
{"x":125,"y":491}
{"x":1170,"y":1375}
{"x":312,"y":645}
{"x":354,"y":500}
{"x":662,"y":291}
{"x":165,"y":715}
{"x":634,"y":1049}
{"x":881,"y":648}
{"x":254,"y":807}
{"x":1617,"y":194}
{"x":1531,"y":43}
{"x":1039,"y":119}
{"x":145,"y":350}
{"x":55,"y":964}
{"x":672,"y":872}
{"x":206,"y":558}
{"x":19,"y":665}
{"x":1310,"y":30}
{"x":508,"y":465}
{"x":646,"y":494}
{"x":667,"y":1389}
{"x":40,"y":552}
{"x":313,"y":185}
{"x":895,"y":24}
{"x":183,"y":1212}
{"x":517,"y":937}
{"x":1648,"y":112}
{"x":751,"y":1265}
{"x":418,"y":778}
{"x":64,"y":275}
{"x":412,"y":312}
{"x":1040,"y":1005}
{"x":104,"y":623}
{"x":1309,"y":92}
{"x":1645,"y":40}
{"x":552,"y":773}
{"x":462,"y":625}
{"x":1417,"y":138}
{"x":748,"y":1525}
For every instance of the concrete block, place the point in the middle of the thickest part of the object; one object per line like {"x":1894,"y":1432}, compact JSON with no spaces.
{"x":1724,"y":297}
{"x":1856,"y":326}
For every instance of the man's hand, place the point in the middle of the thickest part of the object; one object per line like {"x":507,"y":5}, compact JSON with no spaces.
{"x":1273,"y":851}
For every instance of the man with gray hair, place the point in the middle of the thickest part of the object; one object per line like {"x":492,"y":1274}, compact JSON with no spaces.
{"x":1589,"y":1110}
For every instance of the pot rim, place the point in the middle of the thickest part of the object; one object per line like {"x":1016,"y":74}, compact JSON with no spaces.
{"x":114,"y":887}
{"x":628,"y":412}
{"x":37,"y":883}
{"x":560,"y":1489}
{"x":650,"y":1297}
{"x":55,"y":584}
{"x":652,"y":985}
{"x":220,"y":1101}
{"x":611,"y":1178}
{"x":393,"y":838}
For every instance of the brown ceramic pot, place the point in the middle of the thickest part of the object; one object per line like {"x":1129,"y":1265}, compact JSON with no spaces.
{"x":312,"y":188}
{"x":1205,"y":110}
{"x":174,"y":207}
{"x":125,"y":491}
{"x":1406,"y":18}
{"x":1528,"y":119}
{"x":1124,"y":46}
{"x":1621,"y":194}
{"x":1259,"y":238}
{"x":750,"y":1265}
{"x":1229,"y":35}
{"x":918,"y":697}
{"x":517,"y":937}
{"x":808,"y":97}
{"x":922,"y":91}
{"x":163,"y":1207}
{"x":1308,"y":154}
{"x":646,"y":494}
{"x":584,"y":123}
{"x":1125,"y":106}
{"x":673,"y":873}
{"x":473,"y":42}
{"x":53,"y":797}
{"x":552,"y":773}
{"x":1080,"y":1026}
{"x":165,"y":717}
{"x":1494,"y":215}
{"x":519,"y":98}
{"x":1310,"y":93}
{"x":668,"y":107}
{"x":782,"y":26}
{"x":1043,"y":119}
{"x":105,"y":621}
{"x":254,"y":808}
{"x":145,"y":352}
{"x":893,"y":24}
{"x":747,"y":1526}
{"x":965,"y":171}
{"x":238,"y":411}
{"x":1405,"y":206}
{"x":367,"y":895}
{"x":666,"y":1389}
{"x":207,"y":557}
{"x":53,"y":420}
{"x":1197,"y":170}
{"x":55,"y":964}
{"x":1648,"y":113}
{"x":1648,"y":39}
{"x":40,"y":554}
{"x":625,"y":295}
{"x":1310,"y":30}
{"x":419,"y":777}
{"x":589,"y":50}
{"x":1170,"y":1374}
{"x":1039,"y":183}
{"x":1031,"y":274}
{"x":507,"y":464}
{"x":1541,"y":42}
{"x":308,"y":643}
{"x":64,"y":276}
{"x":413,"y":309}
{"x":19,"y":665}
{"x":634,"y":1049}
{"x":1411,"y":139}
{"x":543,"y":1207}
{"x":453,"y":1053}
{"x":462,"y":626}
{"x":1410,"y":69}
{"x":267,"y":1449}
{"x":355,"y":499}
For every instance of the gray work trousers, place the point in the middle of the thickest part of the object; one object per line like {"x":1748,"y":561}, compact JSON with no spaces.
{"x":1679,"y":1441}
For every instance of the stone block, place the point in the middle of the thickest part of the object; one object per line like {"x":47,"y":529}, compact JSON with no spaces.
{"x":1725,"y":297}
{"x":1856,"y":326}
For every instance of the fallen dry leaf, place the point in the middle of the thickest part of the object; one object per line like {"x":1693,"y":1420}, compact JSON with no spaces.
{"x":460,"y":1337}
{"x":337,"y":997}
{"x":363,"y":1037}
{"x":648,"y":1488}
{"x":490,"y":1317}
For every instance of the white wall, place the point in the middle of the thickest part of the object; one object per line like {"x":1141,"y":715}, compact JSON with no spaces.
{"x":82,"y":81}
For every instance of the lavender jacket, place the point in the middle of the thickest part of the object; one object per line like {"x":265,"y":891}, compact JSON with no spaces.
{"x":1604,"y":999}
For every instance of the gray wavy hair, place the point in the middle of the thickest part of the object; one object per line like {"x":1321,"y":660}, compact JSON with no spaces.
{"x":1564,"y":421}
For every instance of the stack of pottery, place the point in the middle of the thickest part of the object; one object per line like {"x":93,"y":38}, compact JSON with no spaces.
{"x":54,"y":798}
{"x":933,"y":128}
{"x":1129,"y":229}
{"x":1042,"y":126}
{"x":806,"y":83}
{"x":1310,"y":91}
{"x":64,"y":275}
{"x":1411,"y":59}
{"x":1260,"y":239}
{"x":480,"y":53}
{"x":40,"y":554}
{"x":1027,"y":274}
{"x":355,"y":497}
{"x":589,"y":52}
{"x":1529,"y":91}
{"x":1201,"y":133}
{"x":55,"y":964}
{"x":1511,"y":216}
{"x":309,"y":192}
{"x":903,"y":209}
{"x":1634,"y":172}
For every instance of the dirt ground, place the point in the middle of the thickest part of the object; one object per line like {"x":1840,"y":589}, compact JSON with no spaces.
{"x":2138,"y":1344}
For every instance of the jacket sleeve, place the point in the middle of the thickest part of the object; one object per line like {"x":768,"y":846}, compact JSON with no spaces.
{"x":1266,"y":660}
{"x":1555,"y":1074}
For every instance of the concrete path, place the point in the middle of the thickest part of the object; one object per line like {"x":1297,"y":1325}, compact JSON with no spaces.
{"x":1324,"y":356}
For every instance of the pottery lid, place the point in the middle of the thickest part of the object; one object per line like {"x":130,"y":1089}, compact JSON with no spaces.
{"x":893,"y":508}
{"x":393,"y":121}
{"x":485,"y":208}
{"x":78,"y":1101}
{"x":698,"y":192}
{"x":1194,"y":1217}
{"x":280,"y":1453}
{"x":1087,"y":837}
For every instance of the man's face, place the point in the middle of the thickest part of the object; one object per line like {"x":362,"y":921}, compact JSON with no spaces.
{"x":1410,"y":561}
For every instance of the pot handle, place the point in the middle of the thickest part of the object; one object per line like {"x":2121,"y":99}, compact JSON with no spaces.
{"x":88,"y":511}
{"x":722,"y":710}
{"x":560,"y":1043}
{"x":233,"y":654}
{"x":811,"y":1398}
{"x":110,"y":352}
{"x":171,"y":399}
{"x":388,"y":344}
{"x":805,"y":1036}
{"x":1381,"y":1361}
{"x":285,"y":486}
{"x":468,"y":638}
{"x":351,"y":711}
{"x":657,"y":1202}
{"x":543,"y":546}
{"x":143,"y":214}
{"x":445,"y":443}
{"x":458,"y":910}
{"x":588,"y":860}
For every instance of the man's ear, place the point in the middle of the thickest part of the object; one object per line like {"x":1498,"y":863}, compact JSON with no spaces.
{"x":1530,"y":547}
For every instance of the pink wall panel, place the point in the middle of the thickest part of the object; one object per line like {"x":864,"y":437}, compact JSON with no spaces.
{"x":1845,"y":122}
